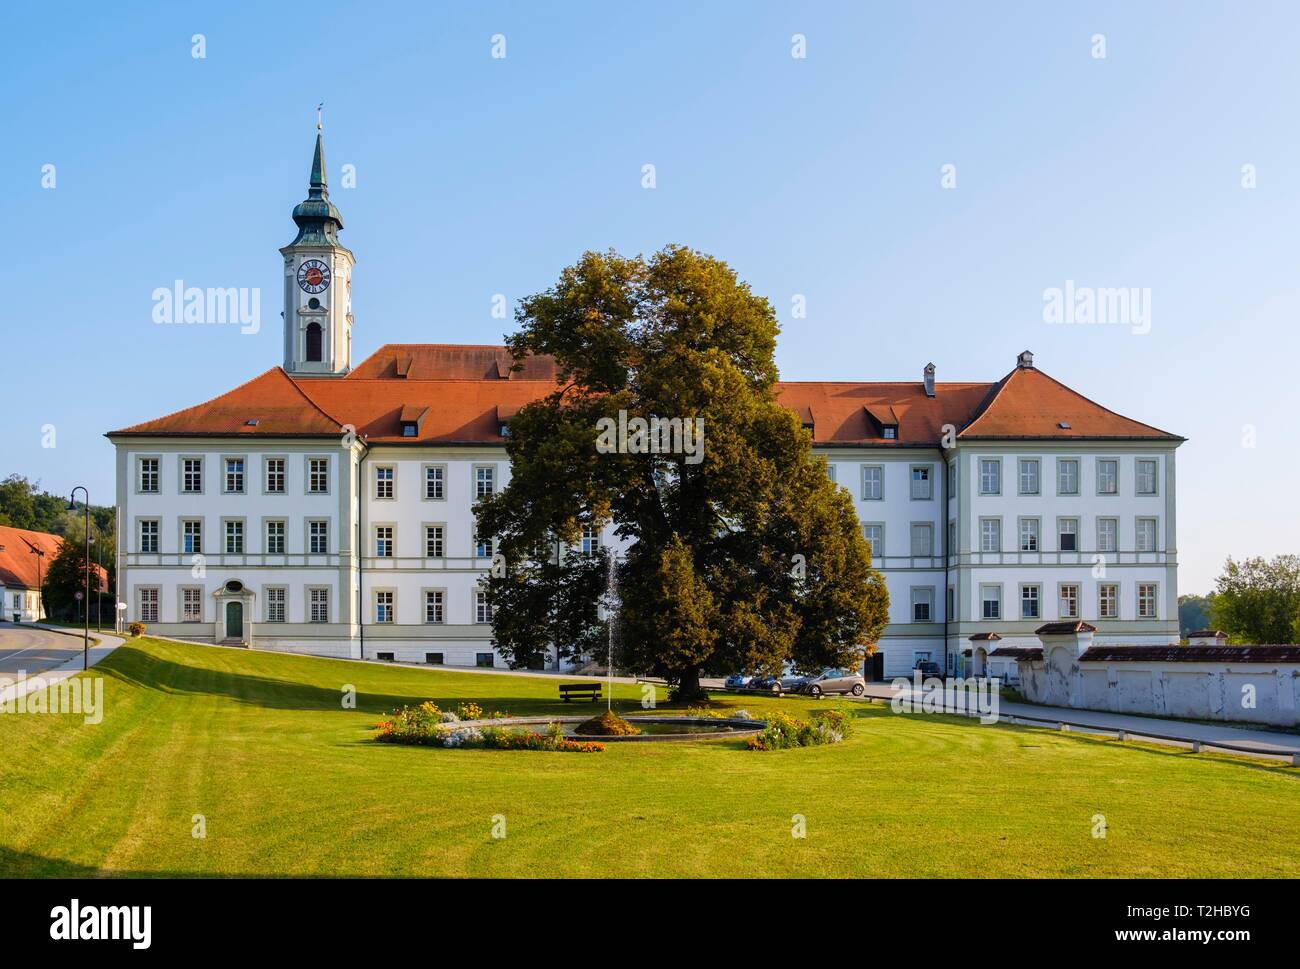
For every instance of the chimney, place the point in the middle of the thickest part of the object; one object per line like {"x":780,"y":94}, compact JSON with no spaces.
{"x":928,"y":378}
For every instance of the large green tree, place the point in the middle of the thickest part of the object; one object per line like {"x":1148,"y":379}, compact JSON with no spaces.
{"x":1258,"y":600}
{"x":741,"y":553}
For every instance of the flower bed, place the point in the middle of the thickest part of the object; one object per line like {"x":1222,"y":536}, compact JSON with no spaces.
{"x":427,"y":725}
{"x":783,"y":732}
{"x":500,"y":738}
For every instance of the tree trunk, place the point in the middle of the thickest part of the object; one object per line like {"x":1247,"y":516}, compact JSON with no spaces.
{"x":688,"y":686}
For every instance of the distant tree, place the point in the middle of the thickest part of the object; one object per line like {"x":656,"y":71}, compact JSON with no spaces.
{"x":1193,"y":613}
{"x":741,"y":553}
{"x":24,"y":505}
{"x":17,"y":508}
{"x":1258,"y":600}
{"x":64,"y":578}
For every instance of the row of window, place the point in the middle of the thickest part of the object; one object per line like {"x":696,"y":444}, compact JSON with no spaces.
{"x":1068,"y":601}
{"x":234,"y":477}
{"x":275,"y":601}
{"x":233,"y":534}
{"x":385,"y":541}
{"x":486,"y":660}
{"x":1028,"y":478}
{"x":434,"y":481}
{"x":1028,"y":536}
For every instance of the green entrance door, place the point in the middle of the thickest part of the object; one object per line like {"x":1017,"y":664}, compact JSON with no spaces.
{"x":234,"y":620}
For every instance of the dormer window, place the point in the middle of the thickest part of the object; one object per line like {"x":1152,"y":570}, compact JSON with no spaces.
{"x":505,"y":412}
{"x":885,"y":418}
{"x":410,"y":419}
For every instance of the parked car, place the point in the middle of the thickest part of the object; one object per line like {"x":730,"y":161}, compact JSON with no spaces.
{"x":792,"y":682}
{"x":835,"y":681}
{"x":928,"y":668}
{"x":738,"y":681}
{"x":785,"y":683}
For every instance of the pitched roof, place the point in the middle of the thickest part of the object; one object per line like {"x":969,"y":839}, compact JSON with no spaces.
{"x":20,"y":568}
{"x":1027,"y":403}
{"x":470,"y":390}
{"x":274,"y":401}
{"x":459,"y":411}
{"x":850,"y":414}
{"x":1065,"y":627}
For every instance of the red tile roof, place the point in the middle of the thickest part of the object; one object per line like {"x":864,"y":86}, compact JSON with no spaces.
{"x":442,"y":361}
{"x":274,"y":401}
{"x":459,"y":411}
{"x":469,"y":391}
{"x":850,"y":414}
{"x":1030,"y":653}
{"x":1065,"y":628}
{"x":1029,"y":404}
{"x":18,"y":564}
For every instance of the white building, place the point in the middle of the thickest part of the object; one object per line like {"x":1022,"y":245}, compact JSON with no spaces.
{"x":324,"y":508}
{"x":25,"y":558}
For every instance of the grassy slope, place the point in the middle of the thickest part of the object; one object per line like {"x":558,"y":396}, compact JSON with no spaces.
{"x":291,"y":784}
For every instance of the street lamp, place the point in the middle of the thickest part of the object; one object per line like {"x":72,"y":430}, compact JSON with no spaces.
{"x":85,"y":641}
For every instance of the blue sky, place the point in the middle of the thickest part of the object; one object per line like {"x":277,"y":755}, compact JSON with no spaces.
{"x":818,"y":176}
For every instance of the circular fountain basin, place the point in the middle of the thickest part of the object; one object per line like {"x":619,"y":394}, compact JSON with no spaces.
{"x":653,"y":728}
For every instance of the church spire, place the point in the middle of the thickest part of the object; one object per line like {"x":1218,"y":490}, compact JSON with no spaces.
{"x":317,"y":281}
{"x":319,"y":221}
{"x":318,"y":187}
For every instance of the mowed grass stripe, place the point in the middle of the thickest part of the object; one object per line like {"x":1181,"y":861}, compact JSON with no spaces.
{"x":292,"y":783}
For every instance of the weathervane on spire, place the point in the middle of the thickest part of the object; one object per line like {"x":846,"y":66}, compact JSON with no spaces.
{"x":318,"y":110}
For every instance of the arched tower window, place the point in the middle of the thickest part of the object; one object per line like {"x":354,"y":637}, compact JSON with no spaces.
{"x":313,"y":342}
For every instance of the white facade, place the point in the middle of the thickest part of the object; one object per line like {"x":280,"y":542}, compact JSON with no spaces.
{"x":262,"y":538}
{"x":977,"y":549}
{"x":328,"y":544}
{"x":19,"y":605}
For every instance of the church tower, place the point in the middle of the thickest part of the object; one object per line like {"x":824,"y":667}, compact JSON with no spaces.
{"x":317,"y":283}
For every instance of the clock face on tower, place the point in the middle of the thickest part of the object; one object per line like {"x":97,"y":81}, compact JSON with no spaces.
{"x":314,"y":276}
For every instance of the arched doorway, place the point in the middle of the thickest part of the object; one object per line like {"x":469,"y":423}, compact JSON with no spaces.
{"x":234,"y":619}
{"x":234,"y":613}
{"x":980,"y":662}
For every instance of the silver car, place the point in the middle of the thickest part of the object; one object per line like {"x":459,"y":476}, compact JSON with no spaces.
{"x":835,"y":681}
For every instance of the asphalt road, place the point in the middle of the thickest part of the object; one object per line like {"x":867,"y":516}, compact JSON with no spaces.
{"x":35,"y":650}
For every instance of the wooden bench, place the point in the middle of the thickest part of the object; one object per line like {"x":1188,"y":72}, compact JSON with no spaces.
{"x":580,"y":691}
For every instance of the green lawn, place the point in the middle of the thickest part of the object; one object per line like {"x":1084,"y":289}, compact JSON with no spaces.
{"x":292,"y":784}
